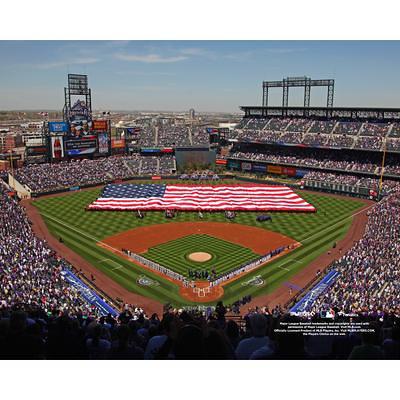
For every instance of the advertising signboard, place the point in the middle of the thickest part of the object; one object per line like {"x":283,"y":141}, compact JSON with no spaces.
{"x":289,"y":171}
{"x":246,"y":166}
{"x":57,"y":148}
{"x":117,"y":143}
{"x":36,"y":159}
{"x":259,"y":167}
{"x":274,"y":169}
{"x":100,"y":125}
{"x":56,"y":127}
{"x":233,"y":164}
{"x":103,"y":143}
{"x":36,"y":150}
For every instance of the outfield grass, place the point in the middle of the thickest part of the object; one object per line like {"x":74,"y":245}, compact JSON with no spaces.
{"x":80,"y":230}
{"x":225,"y":255}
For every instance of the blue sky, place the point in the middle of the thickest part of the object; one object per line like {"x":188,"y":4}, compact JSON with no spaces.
{"x":205,"y":75}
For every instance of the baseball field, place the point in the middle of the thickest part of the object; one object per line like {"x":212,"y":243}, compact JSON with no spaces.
{"x":84,"y":232}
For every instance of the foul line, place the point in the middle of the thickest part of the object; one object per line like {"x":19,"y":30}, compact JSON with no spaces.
{"x":337,"y":223}
{"x":114,"y":262}
{"x":82,"y":233}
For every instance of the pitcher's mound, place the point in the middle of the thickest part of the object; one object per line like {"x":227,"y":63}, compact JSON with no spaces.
{"x":199,"y":256}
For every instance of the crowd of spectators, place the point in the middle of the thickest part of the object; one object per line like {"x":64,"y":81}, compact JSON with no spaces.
{"x":316,"y":160}
{"x":149,"y":165}
{"x":256,"y":123}
{"x":167,"y":164}
{"x":278,"y":124}
{"x":395,"y":132}
{"x":368,"y":142}
{"x":340,"y":141}
{"x":315,"y":140}
{"x":392,"y":169}
{"x":266,"y":136}
{"x":200,"y":136}
{"x":374,"y":129}
{"x":182,"y":334}
{"x":147,"y":137}
{"x":318,"y":133}
{"x":353,"y":180}
{"x":341,"y":127}
{"x":324,"y":126}
{"x":50,"y":177}
{"x":393,"y":144}
{"x":347,"y":127}
{"x":291,"y":137}
{"x":299,"y":125}
{"x":30,"y":272}
{"x":369,"y":280}
{"x":173,"y":136}
{"x":242,"y":123}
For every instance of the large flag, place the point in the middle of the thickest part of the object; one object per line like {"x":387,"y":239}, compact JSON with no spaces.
{"x":200,"y":197}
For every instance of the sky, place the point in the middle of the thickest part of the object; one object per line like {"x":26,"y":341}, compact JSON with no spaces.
{"x":215,"y":76}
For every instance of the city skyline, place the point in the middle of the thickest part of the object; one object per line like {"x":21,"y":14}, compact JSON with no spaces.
{"x":209,"y":76}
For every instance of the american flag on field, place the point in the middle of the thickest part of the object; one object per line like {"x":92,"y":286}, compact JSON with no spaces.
{"x":199,"y":197}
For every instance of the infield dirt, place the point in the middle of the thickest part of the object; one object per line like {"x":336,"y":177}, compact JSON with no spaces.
{"x":139,"y":240}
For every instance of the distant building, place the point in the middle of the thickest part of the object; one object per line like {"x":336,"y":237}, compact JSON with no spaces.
{"x":32,"y":138}
{"x":191,"y":113}
{"x":8,"y":142}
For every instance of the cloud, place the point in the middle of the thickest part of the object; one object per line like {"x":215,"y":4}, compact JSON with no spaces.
{"x":72,"y":61}
{"x":194,"y":51}
{"x":284,"y":50}
{"x":149,"y":58}
{"x":145,"y":73}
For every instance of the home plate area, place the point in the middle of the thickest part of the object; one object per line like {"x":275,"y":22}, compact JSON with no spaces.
{"x":200,"y":257}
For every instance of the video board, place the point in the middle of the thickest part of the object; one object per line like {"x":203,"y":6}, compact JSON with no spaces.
{"x":103,"y":143}
{"x":81,"y":146}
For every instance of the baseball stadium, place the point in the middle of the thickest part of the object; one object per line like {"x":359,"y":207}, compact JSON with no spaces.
{"x":289,"y":212}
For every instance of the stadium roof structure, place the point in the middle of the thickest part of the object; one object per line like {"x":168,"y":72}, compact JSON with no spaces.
{"x":295,"y":82}
{"x":356,"y":113}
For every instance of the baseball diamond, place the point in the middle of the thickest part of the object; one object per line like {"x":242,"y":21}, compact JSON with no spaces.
{"x":97,"y":235}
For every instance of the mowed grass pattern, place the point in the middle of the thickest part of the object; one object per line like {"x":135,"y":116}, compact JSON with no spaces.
{"x":81,"y":230}
{"x":225,"y":255}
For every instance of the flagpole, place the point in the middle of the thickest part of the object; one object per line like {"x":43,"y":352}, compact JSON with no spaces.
{"x":12,"y":167}
{"x":382,"y":167}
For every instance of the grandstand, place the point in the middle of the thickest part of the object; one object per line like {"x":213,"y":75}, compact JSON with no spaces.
{"x":350,"y":140}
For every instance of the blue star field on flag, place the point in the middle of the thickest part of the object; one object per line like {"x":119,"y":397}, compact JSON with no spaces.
{"x":133,"y":191}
